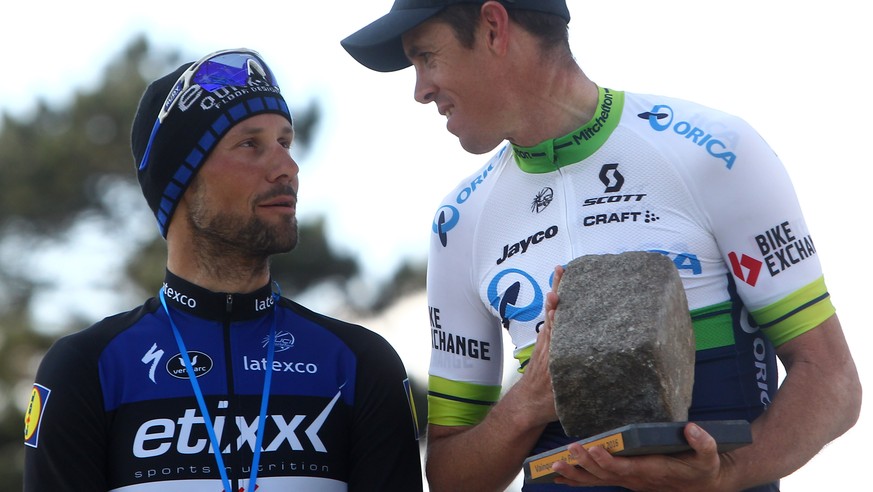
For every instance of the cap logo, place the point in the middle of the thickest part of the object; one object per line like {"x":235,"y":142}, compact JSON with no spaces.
{"x":216,"y":98}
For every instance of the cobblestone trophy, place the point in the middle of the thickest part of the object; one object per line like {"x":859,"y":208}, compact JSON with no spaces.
{"x":622,"y":360}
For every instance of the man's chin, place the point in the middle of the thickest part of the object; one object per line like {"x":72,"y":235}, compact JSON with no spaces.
{"x":477,"y":147}
{"x":288,"y":247}
{"x":272,"y":240}
{"x":284,"y":242}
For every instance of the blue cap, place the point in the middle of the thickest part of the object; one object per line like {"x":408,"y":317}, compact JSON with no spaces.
{"x":378,"y":46}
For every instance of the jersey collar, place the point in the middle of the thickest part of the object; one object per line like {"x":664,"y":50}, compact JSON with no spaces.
{"x":578,"y":145}
{"x":185,"y":296}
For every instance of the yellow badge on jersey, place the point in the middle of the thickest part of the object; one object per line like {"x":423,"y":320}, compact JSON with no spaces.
{"x":409,"y":396}
{"x":33,"y":417}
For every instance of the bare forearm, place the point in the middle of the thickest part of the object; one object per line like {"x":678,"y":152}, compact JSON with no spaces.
{"x":818,"y":401}
{"x":489,"y":455}
{"x":485,"y":457}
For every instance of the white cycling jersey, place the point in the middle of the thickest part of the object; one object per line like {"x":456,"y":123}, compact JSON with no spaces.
{"x":647,"y":173}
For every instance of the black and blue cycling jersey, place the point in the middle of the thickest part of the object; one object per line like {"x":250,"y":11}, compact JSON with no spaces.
{"x":339,"y":415}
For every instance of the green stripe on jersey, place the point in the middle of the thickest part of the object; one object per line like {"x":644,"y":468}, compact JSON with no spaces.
{"x":578,"y":145}
{"x":454,"y":403}
{"x":795,"y":314}
{"x":713,"y":326}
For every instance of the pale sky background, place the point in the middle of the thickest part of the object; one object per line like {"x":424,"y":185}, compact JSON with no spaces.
{"x":798,"y":71}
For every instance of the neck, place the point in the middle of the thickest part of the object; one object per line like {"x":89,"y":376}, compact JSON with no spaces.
{"x":563,"y":99}
{"x":229,"y":271}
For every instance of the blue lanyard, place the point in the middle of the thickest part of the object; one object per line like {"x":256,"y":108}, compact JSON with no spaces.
{"x":207,"y":420}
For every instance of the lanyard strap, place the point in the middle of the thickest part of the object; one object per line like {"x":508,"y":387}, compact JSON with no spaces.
{"x":210,"y":429}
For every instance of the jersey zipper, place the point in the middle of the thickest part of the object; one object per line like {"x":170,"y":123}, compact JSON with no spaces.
{"x":569,"y":213}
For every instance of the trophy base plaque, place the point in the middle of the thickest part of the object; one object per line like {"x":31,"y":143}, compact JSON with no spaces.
{"x":639,"y":439}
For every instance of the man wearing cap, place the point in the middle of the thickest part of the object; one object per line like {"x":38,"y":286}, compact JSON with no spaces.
{"x":584,"y":169}
{"x":218,"y":382}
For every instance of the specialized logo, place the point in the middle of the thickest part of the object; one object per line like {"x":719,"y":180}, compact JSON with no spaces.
{"x":509,"y":288}
{"x":661,"y":119}
{"x":152,"y":358}
{"x":158,"y":436}
{"x":200,"y":363}
{"x":521,"y":247}
{"x":33,"y":417}
{"x":542,"y":200}
{"x":611,"y":178}
{"x":284,"y":340}
{"x":446,"y":219}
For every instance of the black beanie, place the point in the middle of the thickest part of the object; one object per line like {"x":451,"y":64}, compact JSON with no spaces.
{"x":199,"y":116}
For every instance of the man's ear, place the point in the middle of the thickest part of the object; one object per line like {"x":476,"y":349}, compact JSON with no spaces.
{"x":494,"y":23}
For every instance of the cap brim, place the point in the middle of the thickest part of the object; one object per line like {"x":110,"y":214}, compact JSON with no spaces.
{"x":378,"y":46}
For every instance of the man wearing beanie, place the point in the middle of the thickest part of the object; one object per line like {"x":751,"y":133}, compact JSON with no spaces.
{"x":588,"y":170}
{"x":218,"y":382}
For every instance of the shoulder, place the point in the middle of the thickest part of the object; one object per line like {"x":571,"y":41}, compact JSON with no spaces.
{"x":461,"y":207}
{"x":95,"y":338}
{"x":474,"y":186}
{"x":77,"y":355}
{"x":700,"y":132}
{"x":362,"y":341}
{"x":682,"y":118}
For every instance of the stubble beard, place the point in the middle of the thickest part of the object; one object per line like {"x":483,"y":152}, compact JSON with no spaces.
{"x":249,"y":242}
